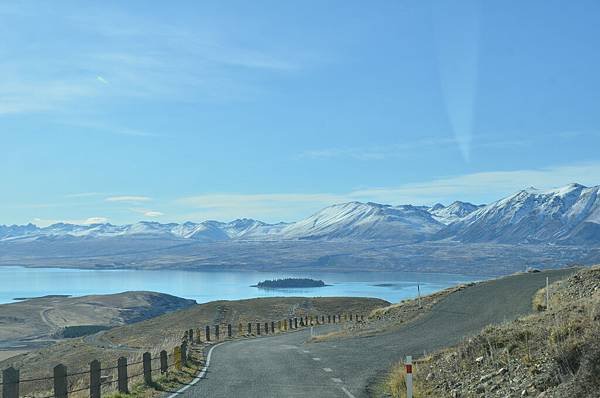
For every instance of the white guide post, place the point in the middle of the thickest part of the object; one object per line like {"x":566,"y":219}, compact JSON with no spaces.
{"x":312,"y":333}
{"x":409,"y":379}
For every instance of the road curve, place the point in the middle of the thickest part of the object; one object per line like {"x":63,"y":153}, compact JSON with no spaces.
{"x":288,"y":366}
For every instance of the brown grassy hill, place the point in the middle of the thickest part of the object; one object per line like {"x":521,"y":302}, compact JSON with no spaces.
{"x":165,"y":331}
{"x":46,"y":317}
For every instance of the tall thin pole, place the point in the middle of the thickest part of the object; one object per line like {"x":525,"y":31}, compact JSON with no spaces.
{"x":547,"y":295}
{"x":419,"y":294}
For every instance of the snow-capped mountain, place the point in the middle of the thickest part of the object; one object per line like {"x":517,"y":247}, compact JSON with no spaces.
{"x":568,"y":214}
{"x":365,"y":221}
{"x":206,"y":231}
{"x":452,"y":213}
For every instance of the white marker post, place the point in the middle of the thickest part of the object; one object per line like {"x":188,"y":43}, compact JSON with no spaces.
{"x":312,"y":333}
{"x":409,"y":380}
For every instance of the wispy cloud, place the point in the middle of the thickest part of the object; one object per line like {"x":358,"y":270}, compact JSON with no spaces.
{"x":152,"y":213}
{"x":148,"y":213}
{"x":83,"y":195}
{"x":392,"y":150}
{"x":99,"y":126}
{"x":481,"y":187}
{"x":128,"y":198}
{"x":127,"y":56}
{"x":43,"y":222}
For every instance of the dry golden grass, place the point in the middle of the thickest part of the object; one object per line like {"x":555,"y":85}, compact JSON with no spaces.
{"x":395,"y":383}
{"x":556,"y":350}
{"x":166,"y":331}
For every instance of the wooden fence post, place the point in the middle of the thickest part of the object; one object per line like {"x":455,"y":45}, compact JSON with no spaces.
{"x":249,"y":328}
{"x":122,"y":375}
{"x":295,"y":323}
{"x":258,"y":328}
{"x":302,"y":321}
{"x":290,"y":321}
{"x":240,"y":329}
{"x":207,"y":333}
{"x":217,"y":334}
{"x":184,"y":353}
{"x":198,"y":338}
{"x":229,"y":330}
{"x":279,"y":325}
{"x":322,"y":318}
{"x":191,"y":335}
{"x":266,"y":327}
{"x":177,"y":357}
{"x":10,"y":378}
{"x":164,"y":362}
{"x":328,"y":318}
{"x":273,"y":327}
{"x":60,"y":381}
{"x":95,"y":379}
{"x":147,"y":363}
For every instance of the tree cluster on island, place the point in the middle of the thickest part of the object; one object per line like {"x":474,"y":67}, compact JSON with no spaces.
{"x":290,"y":283}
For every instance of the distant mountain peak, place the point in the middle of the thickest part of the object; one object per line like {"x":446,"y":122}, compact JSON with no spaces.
{"x":566,"y":214}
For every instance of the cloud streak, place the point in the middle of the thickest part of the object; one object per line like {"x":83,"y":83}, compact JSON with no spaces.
{"x":146,"y":58}
{"x":481,"y":187}
{"x":128,"y":198}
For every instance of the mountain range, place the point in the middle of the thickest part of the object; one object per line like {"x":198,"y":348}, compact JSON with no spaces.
{"x":570,"y":214}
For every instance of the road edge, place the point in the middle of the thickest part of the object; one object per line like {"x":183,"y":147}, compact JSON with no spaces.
{"x":200,"y":375}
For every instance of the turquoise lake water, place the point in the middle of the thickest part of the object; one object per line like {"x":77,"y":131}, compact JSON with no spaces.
{"x":209,"y":286}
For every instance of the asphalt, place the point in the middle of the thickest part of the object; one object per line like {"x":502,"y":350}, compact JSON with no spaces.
{"x":288,"y":365}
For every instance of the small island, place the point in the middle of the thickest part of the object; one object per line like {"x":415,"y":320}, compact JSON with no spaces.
{"x":288,"y":283}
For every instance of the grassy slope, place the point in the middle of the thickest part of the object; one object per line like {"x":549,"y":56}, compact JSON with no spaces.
{"x":165,"y":331}
{"x":552,"y":353}
{"x":43,"y":317}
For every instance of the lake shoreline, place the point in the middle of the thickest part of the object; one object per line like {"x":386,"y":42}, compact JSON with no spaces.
{"x":210,"y":286}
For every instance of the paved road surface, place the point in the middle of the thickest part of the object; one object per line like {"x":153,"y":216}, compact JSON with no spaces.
{"x":287,"y":366}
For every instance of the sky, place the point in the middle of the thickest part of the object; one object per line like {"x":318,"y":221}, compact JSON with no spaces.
{"x":175,"y":111}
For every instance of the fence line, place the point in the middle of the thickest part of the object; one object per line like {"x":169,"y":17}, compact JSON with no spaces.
{"x":11,"y":381}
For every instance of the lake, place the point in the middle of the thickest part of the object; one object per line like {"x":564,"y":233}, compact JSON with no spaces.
{"x":209,"y":286}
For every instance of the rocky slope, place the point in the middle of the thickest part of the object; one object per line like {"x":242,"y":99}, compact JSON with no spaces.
{"x":554,"y":353}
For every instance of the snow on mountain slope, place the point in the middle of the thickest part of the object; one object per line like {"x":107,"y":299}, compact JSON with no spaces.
{"x":452,"y":213}
{"x":208,"y":231}
{"x":365,"y":221}
{"x":570,"y":214}
{"x":247,"y":228}
{"x":567,"y":214}
{"x":12,"y":231}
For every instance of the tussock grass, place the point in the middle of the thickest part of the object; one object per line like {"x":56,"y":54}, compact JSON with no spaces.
{"x":395,"y":382}
{"x":555,"y":351}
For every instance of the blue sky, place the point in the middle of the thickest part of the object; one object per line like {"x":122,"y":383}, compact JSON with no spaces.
{"x":123,"y":111}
